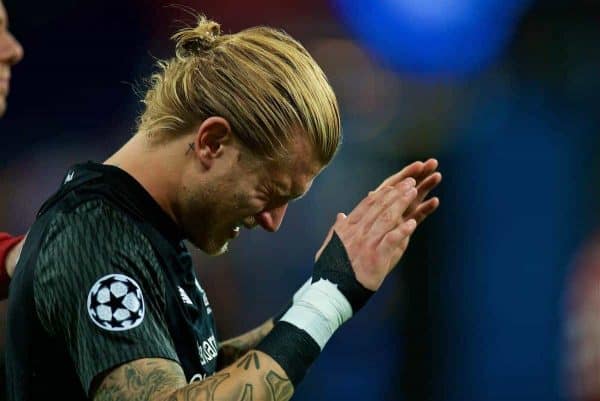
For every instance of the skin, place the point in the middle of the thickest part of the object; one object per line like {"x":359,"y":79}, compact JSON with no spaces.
{"x":13,"y":257}
{"x":209,"y":183}
{"x":255,"y":192}
{"x":11,"y":52}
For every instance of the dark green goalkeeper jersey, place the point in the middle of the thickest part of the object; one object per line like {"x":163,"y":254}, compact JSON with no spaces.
{"x":104,"y":278}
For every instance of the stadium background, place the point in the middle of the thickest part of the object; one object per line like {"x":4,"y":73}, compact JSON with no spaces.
{"x":504,"y":93}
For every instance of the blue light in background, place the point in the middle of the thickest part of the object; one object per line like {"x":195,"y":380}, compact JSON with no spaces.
{"x":433,"y":37}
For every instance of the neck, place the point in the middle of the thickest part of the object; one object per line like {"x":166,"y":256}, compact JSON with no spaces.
{"x":156,"y":167}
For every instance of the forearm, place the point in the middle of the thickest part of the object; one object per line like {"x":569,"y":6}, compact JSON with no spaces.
{"x":256,"y":377}
{"x":280,"y":360}
{"x":232,"y":349}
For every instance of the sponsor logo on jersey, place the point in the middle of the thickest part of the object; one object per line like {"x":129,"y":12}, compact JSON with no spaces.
{"x":184,"y":296}
{"x":115,"y":303}
{"x":198,"y":377}
{"x":204,"y":297}
{"x":208,"y":350}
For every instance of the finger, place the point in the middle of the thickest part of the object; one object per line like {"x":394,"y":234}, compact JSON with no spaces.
{"x":429,"y":167}
{"x":429,"y":183}
{"x":412,"y":170}
{"x":388,"y":207}
{"x":418,"y":170}
{"x":399,"y":252}
{"x":395,"y":242}
{"x":367,"y":204}
{"x":339,"y":217}
{"x":391,"y":216}
{"x":424,"y":188}
{"x":425,"y":209}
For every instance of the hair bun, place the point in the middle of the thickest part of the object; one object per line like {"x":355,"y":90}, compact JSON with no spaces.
{"x":195,"y":41}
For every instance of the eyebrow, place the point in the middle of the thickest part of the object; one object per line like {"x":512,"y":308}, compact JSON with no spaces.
{"x":290,"y":197}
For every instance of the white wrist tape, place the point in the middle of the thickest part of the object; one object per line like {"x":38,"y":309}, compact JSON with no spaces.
{"x":302,"y":290}
{"x":319,"y":309}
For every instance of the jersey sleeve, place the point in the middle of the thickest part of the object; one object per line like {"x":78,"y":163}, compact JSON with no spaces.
{"x":7,"y":242}
{"x":99,"y":287}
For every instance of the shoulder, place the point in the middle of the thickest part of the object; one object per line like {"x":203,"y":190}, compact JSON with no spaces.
{"x":95,"y":221}
{"x":87,"y":248}
{"x":93,"y":239}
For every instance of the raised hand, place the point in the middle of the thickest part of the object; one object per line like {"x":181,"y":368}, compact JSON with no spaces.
{"x":377,"y":231}
{"x":427,"y":178}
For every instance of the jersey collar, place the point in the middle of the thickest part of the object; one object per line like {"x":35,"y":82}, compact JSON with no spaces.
{"x":130,"y":193}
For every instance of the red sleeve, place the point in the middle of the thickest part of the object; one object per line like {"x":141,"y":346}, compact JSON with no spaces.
{"x":7,"y":242}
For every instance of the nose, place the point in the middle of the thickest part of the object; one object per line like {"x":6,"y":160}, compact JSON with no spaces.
{"x":11,"y":51}
{"x":271,"y":219}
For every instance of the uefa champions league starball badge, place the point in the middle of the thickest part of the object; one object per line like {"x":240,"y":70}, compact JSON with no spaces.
{"x":115,"y":303}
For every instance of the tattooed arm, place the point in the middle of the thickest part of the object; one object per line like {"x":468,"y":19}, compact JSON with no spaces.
{"x":231,"y":350}
{"x":256,"y":377}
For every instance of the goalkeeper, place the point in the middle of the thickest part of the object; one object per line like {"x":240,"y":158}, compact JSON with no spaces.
{"x":105,"y":304}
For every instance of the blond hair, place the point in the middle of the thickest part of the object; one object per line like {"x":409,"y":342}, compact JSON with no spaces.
{"x":261,"y":80}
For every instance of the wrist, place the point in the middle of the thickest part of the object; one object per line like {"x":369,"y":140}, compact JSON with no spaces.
{"x":328,"y":299}
{"x":334,"y":265}
{"x":320,"y":309}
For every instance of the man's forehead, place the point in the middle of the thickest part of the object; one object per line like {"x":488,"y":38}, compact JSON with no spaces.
{"x":303,"y":157}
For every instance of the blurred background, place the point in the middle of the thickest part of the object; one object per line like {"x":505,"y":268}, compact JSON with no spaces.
{"x":498,"y":297}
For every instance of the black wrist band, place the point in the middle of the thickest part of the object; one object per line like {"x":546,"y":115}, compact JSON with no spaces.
{"x":292,"y":348}
{"x":334,"y":265}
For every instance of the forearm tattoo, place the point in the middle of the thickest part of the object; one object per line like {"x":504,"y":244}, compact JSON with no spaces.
{"x":255,"y":384}
{"x":231,"y":350}
{"x":253,"y":378}
{"x":248,"y":359}
{"x":140,"y":381}
{"x":280,"y":388}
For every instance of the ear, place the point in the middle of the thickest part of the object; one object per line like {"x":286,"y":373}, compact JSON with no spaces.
{"x":211,"y":140}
